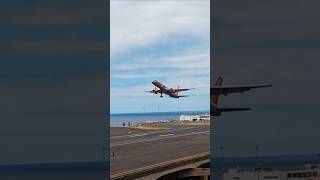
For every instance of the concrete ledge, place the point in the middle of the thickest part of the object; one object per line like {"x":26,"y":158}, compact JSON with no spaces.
{"x":170,"y":166}
{"x":195,"y":172}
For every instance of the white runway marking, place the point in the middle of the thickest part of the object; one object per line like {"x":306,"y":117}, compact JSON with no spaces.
{"x":164,"y":135}
{"x":145,"y":134}
{"x":137,"y":135}
{"x":160,"y":138}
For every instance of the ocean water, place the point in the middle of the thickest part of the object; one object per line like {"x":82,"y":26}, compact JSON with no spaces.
{"x":136,"y":118}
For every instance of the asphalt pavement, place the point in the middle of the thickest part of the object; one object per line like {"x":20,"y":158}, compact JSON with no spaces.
{"x":141,"y":149}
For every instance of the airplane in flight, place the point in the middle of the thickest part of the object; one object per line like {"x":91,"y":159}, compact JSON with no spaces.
{"x":218,"y":90}
{"x":171,"y":92}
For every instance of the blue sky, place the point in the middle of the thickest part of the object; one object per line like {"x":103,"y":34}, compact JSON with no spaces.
{"x":161,"y":40}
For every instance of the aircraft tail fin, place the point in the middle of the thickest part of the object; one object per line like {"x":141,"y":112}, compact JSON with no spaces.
{"x":216,"y":111}
{"x":215,"y":98}
{"x":177,"y":92}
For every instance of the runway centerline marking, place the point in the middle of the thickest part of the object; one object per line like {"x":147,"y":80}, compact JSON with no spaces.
{"x":160,"y":138}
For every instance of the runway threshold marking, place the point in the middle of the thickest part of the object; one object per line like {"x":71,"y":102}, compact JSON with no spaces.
{"x":160,"y":138}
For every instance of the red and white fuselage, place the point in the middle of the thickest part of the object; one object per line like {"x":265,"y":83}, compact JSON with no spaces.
{"x":162,"y":89}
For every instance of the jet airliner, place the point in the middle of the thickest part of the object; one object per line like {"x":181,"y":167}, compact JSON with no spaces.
{"x":171,"y":92}
{"x":218,"y":90}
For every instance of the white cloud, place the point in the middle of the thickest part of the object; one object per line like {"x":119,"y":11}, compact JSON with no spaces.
{"x":198,"y":59}
{"x":191,"y":68}
{"x":138,"y":75}
{"x":140,"y":23}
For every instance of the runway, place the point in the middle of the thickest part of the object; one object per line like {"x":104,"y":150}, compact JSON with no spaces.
{"x":132,"y":151}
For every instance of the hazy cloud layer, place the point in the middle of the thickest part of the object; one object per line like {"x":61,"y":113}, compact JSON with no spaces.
{"x":137,"y":24}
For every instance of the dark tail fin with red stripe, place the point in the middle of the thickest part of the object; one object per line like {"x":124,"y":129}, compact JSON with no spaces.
{"x":215,"y":111}
{"x":215,"y":98}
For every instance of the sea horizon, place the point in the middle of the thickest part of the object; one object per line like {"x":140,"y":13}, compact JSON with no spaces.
{"x":141,"y":117}
{"x":155,"y":112}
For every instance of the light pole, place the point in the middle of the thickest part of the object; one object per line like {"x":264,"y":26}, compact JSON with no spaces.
{"x":222,"y":159}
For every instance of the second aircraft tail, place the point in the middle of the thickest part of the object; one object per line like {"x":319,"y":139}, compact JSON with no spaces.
{"x":215,"y":111}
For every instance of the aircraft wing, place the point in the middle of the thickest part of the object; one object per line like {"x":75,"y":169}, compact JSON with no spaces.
{"x":218,"y":111}
{"x":178,"y":90}
{"x":233,"y":109}
{"x":233,"y":89}
{"x":153,"y":91}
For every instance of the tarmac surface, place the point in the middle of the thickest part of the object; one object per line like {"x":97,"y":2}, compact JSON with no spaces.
{"x":136,"y":148}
